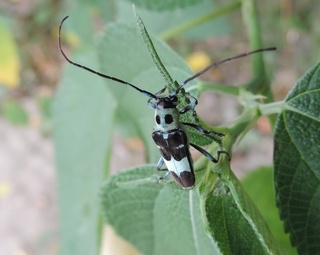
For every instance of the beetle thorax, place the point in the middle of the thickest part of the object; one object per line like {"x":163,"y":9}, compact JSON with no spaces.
{"x":167,"y":119}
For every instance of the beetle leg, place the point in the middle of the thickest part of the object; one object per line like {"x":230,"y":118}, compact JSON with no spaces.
{"x":208,"y":155}
{"x":190,"y":106}
{"x":160,"y":164}
{"x":213,"y":135}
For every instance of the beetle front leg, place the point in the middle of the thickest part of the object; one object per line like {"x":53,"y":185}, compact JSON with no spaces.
{"x":190,"y":106}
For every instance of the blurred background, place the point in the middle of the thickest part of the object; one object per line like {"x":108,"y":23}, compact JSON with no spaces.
{"x":30,"y":71}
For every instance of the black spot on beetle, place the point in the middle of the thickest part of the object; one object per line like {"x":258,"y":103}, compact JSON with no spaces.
{"x":168,"y":119}
{"x":171,"y":146}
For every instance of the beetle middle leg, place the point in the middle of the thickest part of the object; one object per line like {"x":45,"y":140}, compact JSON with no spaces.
{"x":191,"y":106}
{"x":202,"y":130}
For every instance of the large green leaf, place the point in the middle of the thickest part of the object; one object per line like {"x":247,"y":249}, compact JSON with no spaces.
{"x":124,"y":55}
{"x":164,"y":4}
{"x":160,"y":22}
{"x":162,"y":218}
{"x":80,"y":23}
{"x":171,"y":84}
{"x":82,"y":121}
{"x":296,"y":162}
{"x":158,"y":218}
{"x":259,"y":185}
{"x":233,"y":220}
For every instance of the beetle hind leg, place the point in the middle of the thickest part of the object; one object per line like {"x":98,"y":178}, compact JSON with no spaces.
{"x":208,"y":155}
{"x":159,"y":165}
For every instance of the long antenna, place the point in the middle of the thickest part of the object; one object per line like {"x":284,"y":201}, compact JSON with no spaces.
{"x":148,"y":94}
{"x":221,"y":62}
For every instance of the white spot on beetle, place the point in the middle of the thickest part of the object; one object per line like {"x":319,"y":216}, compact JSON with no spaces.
{"x":180,"y":146}
{"x":178,"y":166}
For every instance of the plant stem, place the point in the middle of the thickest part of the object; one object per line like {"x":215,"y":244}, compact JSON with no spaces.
{"x":200,"y":20}
{"x":260,"y":83}
{"x":217,"y":88}
{"x":243,"y":123}
{"x":251,"y":20}
{"x":250,"y":116}
{"x":272,"y":108}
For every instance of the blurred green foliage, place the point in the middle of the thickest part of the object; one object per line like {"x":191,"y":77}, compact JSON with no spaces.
{"x":29,"y":40}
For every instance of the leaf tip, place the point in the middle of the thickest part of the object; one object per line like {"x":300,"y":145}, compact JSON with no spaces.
{"x":135,"y":12}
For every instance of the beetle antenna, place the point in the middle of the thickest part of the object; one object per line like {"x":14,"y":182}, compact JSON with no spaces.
{"x":146,"y":93}
{"x":216,"y":64}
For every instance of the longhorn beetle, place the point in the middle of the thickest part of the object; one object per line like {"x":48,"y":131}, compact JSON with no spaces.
{"x":169,"y":134}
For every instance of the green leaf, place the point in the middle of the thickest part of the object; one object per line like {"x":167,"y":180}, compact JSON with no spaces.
{"x":164,"y":4}
{"x":14,"y":112}
{"x":259,"y":185}
{"x":154,"y":55}
{"x":208,"y":23}
{"x":170,"y":83}
{"x":157,"y":218}
{"x":80,"y":22}
{"x":169,"y":21}
{"x":82,"y":121}
{"x":162,"y":218}
{"x":296,"y":162}
{"x":234,"y":222}
{"x":124,"y":55}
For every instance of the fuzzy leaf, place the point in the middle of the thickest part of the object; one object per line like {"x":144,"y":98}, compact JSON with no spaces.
{"x":164,"y":4}
{"x":259,"y":185}
{"x":161,"y":23}
{"x":124,"y":55}
{"x":157,"y":218}
{"x":233,"y":220}
{"x":82,"y":122}
{"x":162,"y":218}
{"x":153,"y":53}
{"x":296,"y":161}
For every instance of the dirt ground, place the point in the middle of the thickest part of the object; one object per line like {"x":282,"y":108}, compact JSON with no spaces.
{"x":28,"y":201}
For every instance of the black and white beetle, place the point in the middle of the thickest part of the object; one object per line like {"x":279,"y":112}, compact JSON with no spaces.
{"x":169,"y":134}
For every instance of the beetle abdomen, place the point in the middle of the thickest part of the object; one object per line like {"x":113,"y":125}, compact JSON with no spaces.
{"x":174,"y":148}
